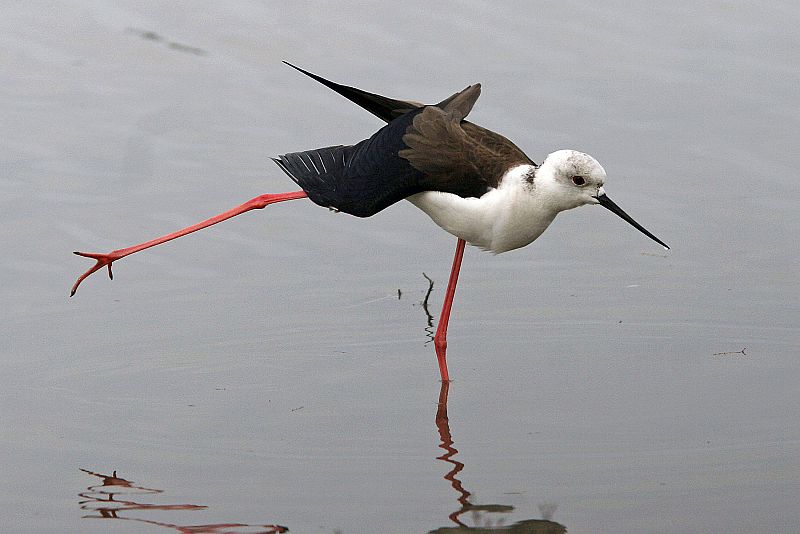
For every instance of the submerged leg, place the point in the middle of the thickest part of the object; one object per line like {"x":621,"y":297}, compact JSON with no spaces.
{"x":440,"y":339}
{"x":256,"y":203}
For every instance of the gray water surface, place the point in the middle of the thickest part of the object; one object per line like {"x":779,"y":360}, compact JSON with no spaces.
{"x":265,"y":372}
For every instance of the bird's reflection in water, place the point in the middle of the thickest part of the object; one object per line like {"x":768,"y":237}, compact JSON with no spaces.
{"x":103,"y":503}
{"x":485,"y":517}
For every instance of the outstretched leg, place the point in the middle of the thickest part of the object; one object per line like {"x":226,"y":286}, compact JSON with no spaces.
{"x":440,"y":339}
{"x":256,"y":203}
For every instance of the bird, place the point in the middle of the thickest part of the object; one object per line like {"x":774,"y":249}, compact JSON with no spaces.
{"x":472,"y":182}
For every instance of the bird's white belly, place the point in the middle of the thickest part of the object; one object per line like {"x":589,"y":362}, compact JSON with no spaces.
{"x":495,"y":222}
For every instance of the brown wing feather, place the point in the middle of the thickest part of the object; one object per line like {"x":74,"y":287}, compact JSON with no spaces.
{"x":457,"y":156}
{"x":503,"y":151}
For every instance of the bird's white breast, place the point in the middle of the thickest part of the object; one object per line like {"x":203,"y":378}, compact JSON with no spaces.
{"x":503,"y":219}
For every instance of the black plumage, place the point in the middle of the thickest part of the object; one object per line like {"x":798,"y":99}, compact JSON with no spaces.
{"x":361,"y":179}
{"x":422,"y":148}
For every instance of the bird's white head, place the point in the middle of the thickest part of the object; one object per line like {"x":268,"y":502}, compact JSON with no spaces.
{"x":571,"y":178}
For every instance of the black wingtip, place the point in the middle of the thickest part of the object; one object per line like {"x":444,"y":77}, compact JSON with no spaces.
{"x":386,"y":109}
{"x":293,"y":66}
{"x":320,"y":79}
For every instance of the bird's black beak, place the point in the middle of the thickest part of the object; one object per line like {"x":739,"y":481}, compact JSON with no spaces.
{"x":609,"y":204}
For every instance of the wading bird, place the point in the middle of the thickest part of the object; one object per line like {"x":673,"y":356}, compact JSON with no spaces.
{"x":474,"y":183}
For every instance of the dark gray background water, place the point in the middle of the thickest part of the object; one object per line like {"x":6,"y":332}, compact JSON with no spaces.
{"x":266,"y":368}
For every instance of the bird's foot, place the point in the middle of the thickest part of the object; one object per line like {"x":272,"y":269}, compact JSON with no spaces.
{"x":103,"y":260}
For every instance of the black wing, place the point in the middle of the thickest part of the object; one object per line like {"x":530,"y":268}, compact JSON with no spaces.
{"x":361,"y":179}
{"x":423,"y":148}
{"x":388,"y":109}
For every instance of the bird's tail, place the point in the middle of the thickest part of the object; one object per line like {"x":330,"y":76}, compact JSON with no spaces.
{"x":311,"y":166}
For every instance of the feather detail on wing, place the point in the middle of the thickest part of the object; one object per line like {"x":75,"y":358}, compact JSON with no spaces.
{"x":455,"y":155}
{"x":422,"y":148}
{"x":361,"y":179}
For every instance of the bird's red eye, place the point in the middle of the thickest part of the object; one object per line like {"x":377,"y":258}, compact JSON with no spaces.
{"x":578,"y":180}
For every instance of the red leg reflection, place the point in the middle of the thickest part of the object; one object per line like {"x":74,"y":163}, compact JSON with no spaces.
{"x":440,"y":339}
{"x":104,"y":260}
{"x":443,"y":425}
{"x":102,"y":503}
{"x":481,"y":513}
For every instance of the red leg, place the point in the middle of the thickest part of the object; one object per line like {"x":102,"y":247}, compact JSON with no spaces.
{"x":256,"y":203}
{"x":440,"y":339}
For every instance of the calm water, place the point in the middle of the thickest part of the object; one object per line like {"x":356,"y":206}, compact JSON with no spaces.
{"x":265,"y":375}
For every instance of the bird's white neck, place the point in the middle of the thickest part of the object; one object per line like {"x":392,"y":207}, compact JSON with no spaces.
{"x":503,"y":219}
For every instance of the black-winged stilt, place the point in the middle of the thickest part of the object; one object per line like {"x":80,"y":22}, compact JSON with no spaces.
{"x":474,"y":183}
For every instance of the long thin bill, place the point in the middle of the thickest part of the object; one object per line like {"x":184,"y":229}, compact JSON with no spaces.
{"x":611,"y":206}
